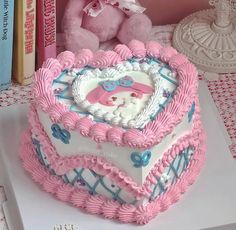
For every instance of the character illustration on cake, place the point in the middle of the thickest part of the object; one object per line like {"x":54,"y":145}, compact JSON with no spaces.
{"x":124,"y":95}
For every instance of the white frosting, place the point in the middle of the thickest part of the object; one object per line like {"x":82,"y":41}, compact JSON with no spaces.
{"x":126,"y":111}
{"x":119,"y":156}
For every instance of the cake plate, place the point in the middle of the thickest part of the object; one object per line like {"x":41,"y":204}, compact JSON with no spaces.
{"x":208,"y":203}
{"x":208,"y":37}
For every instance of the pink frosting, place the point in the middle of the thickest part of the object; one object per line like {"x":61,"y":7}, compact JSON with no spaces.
{"x":153,"y":49}
{"x":39,"y":173}
{"x":56,"y":112}
{"x":115,"y":135}
{"x":83,"y":58}
{"x":110,"y":209}
{"x":42,"y":89}
{"x":177,"y":60}
{"x":94,"y":204}
{"x":98,"y":132}
{"x":113,"y":209}
{"x":113,"y":57}
{"x":84,"y":126}
{"x":100,"y":59}
{"x":54,"y":65}
{"x":123,"y":51}
{"x":126,"y":213}
{"x":79,"y":198}
{"x":64,"y":192}
{"x":145,"y":213}
{"x":61,"y":165}
{"x":69,"y":120}
{"x":166,"y":53}
{"x":66,"y":59}
{"x":155,"y":130}
{"x":51,"y":184}
{"x":137,"y":48}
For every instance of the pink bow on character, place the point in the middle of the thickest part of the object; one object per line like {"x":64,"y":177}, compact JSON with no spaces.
{"x":95,"y":7}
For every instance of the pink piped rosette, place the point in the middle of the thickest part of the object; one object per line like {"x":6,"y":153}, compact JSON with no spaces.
{"x":150,"y":135}
{"x":156,"y":129}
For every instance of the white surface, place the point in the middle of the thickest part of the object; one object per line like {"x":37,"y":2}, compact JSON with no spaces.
{"x":208,"y":203}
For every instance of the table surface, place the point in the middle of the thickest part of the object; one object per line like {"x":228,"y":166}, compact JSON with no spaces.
{"x":222,"y":88}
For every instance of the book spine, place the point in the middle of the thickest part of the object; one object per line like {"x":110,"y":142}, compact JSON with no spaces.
{"x":46,"y":30}
{"x":24,"y":41}
{"x":6,"y":42}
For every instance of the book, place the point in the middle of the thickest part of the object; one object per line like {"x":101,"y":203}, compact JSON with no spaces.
{"x":45,"y":30}
{"x":24,"y":41}
{"x":6,"y":42}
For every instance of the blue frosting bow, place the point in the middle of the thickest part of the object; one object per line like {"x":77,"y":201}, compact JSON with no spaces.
{"x":60,"y":134}
{"x":109,"y":85}
{"x":141,"y":159}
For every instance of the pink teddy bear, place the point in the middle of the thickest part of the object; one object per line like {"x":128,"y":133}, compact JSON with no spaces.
{"x":86,"y":23}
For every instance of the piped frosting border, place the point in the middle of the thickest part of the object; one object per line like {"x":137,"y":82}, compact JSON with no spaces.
{"x":155,"y":130}
{"x":97,"y":204}
{"x":61,"y":164}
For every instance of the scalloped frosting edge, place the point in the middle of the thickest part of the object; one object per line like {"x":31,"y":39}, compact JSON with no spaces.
{"x":61,"y":165}
{"x":97,"y":204}
{"x":155,"y":130}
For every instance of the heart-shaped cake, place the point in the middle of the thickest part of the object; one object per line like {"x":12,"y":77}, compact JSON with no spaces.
{"x":118,"y":132}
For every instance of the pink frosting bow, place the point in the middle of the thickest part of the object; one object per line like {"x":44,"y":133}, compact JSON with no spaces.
{"x":95,"y":7}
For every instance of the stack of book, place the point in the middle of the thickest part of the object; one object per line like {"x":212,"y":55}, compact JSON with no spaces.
{"x":27,"y":38}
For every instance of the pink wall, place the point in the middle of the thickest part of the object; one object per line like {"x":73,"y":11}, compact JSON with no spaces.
{"x":160,"y":11}
{"x":171,"y":11}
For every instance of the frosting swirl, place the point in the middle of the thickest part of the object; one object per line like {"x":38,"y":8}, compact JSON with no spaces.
{"x":100,"y":59}
{"x":94,"y":204}
{"x":153,"y":49}
{"x":66,"y":59}
{"x":83,"y":58}
{"x":124,"y":52}
{"x":64,"y":192}
{"x":110,"y":209}
{"x":178,"y":60}
{"x":114,"y":58}
{"x":79,"y":198}
{"x":54,"y":65}
{"x":84,"y":125}
{"x":166,"y":53}
{"x":138,"y":48}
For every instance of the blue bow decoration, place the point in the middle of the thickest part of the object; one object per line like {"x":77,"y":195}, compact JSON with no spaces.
{"x":109,"y":85}
{"x":141,"y":159}
{"x":191,"y":112}
{"x":60,"y":134}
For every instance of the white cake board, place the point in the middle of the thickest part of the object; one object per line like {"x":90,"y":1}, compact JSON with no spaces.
{"x":210,"y":202}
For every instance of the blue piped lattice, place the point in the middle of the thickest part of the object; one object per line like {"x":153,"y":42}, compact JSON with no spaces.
{"x":173,"y":172}
{"x":95,"y":183}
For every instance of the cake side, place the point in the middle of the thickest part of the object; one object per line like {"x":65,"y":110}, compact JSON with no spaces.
{"x":97,"y":204}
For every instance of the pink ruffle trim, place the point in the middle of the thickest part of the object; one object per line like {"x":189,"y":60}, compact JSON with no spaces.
{"x":97,"y":204}
{"x":62,"y":165}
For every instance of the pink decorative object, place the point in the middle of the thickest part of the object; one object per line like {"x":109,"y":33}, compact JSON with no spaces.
{"x":134,"y":198}
{"x":86,"y":23}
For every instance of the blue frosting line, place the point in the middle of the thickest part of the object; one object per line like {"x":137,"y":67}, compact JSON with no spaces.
{"x":60,"y":134}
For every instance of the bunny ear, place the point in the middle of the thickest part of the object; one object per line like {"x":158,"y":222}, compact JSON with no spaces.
{"x":95,"y":95}
{"x":143,"y":88}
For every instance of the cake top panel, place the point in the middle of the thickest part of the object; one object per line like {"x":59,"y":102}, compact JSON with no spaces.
{"x":132,"y":95}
